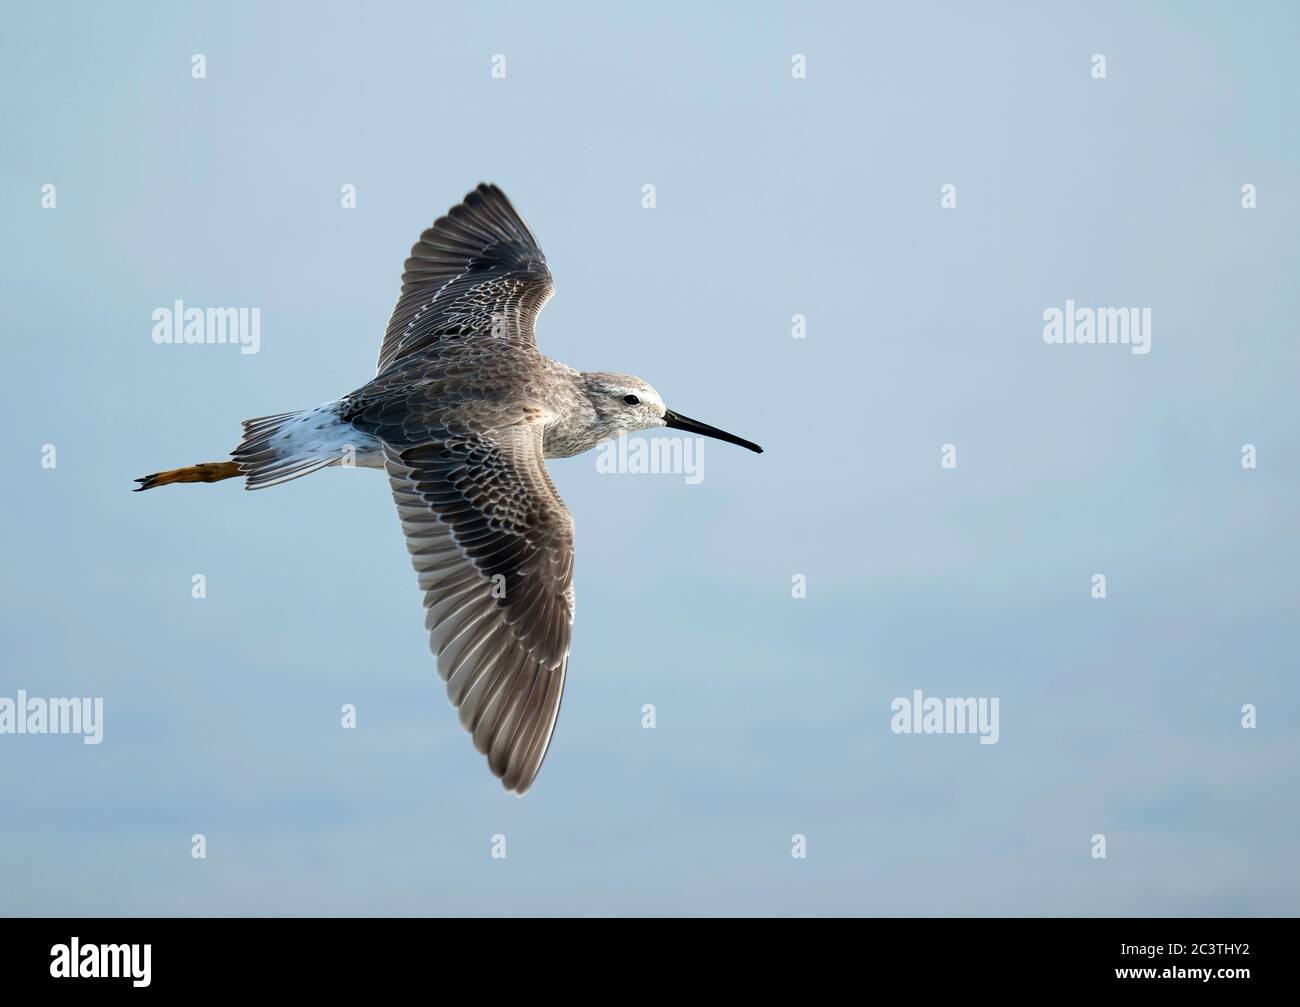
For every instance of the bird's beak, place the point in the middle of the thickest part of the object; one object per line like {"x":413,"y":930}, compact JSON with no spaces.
{"x":679,"y":422}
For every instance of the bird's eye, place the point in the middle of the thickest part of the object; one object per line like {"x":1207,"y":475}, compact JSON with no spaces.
{"x":631,"y":400}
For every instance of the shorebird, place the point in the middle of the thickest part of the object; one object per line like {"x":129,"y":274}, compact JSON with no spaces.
{"x":461,"y":414}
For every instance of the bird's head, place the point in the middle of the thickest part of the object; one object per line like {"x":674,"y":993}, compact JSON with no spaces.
{"x":624,"y":402}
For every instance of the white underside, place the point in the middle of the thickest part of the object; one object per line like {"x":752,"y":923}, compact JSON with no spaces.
{"x":319,"y":433}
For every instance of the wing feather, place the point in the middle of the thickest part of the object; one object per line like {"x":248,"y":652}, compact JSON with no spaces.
{"x":492,"y":544}
{"x":477,"y":272}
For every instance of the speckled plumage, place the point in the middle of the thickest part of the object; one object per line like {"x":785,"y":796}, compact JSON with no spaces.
{"x":461,"y":414}
{"x":461,"y":403}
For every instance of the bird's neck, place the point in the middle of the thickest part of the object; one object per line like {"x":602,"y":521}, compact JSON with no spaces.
{"x":577,"y":424}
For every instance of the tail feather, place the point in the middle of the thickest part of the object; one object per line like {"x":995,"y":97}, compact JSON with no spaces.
{"x":271,"y":454}
{"x":274,"y":450}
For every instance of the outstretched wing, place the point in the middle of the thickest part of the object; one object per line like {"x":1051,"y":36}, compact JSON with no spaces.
{"x":476,"y":272}
{"x":493,"y":545}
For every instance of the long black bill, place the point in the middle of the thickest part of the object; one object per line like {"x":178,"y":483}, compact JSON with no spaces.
{"x":679,"y":422}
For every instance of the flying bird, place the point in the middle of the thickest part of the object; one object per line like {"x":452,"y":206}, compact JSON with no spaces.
{"x":461,"y":413}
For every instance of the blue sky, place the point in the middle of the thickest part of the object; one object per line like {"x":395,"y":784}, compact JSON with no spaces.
{"x":774,"y":196}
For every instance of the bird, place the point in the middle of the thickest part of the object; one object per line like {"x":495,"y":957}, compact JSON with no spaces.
{"x":461,"y":414}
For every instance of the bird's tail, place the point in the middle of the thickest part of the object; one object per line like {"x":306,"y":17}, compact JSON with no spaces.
{"x":275,"y":449}
{"x":278,"y":448}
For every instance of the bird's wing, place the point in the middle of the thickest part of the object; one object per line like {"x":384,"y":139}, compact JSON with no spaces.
{"x":493,"y":544}
{"x":477,"y":272}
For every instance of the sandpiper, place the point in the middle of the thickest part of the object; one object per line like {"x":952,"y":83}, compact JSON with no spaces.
{"x":461,"y":413}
